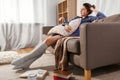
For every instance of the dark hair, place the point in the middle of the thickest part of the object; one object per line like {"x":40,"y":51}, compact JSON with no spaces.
{"x":93,"y":6}
{"x":88,"y":6}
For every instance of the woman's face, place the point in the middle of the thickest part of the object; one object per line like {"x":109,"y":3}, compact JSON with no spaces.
{"x":84,"y":12}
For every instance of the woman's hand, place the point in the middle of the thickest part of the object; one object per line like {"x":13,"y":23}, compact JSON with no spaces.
{"x":61,"y":19}
{"x":94,"y":10}
{"x":67,"y":28}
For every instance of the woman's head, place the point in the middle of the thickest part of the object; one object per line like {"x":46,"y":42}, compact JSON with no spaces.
{"x":85,"y":10}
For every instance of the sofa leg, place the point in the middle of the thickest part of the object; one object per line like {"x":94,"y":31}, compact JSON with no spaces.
{"x":87,"y":74}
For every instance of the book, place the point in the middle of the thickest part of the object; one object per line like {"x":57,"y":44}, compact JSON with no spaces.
{"x":62,"y":75}
{"x":40,"y":73}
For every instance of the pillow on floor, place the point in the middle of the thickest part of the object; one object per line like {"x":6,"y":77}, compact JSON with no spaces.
{"x":61,"y":30}
{"x":7,"y":56}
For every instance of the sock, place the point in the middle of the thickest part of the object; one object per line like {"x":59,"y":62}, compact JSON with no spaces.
{"x":26,"y":64}
{"x":38,"y":51}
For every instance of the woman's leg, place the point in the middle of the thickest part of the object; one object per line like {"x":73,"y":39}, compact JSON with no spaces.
{"x":25,"y":62}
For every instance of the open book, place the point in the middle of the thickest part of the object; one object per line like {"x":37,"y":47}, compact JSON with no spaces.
{"x":39,"y":72}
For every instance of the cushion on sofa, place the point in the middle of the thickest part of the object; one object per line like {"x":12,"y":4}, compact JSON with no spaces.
{"x":73,"y":46}
{"x":113,"y":18}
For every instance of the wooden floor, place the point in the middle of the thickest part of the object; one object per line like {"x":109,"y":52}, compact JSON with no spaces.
{"x":21,"y":51}
{"x":26,"y":50}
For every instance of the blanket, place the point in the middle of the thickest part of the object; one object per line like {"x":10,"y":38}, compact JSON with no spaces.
{"x":61,"y":57}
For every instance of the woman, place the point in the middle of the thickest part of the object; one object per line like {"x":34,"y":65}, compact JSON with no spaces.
{"x":26,"y":61}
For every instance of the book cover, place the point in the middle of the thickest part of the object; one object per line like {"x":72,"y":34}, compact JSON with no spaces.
{"x":39,"y":72}
{"x":62,"y":75}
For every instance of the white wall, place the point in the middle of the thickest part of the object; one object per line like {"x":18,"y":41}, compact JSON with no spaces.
{"x":109,"y":7}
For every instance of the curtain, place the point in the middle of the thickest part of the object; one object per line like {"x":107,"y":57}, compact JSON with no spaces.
{"x":26,"y":10}
{"x":8,"y":10}
{"x":39,"y":10}
{"x":14,"y":36}
{"x":109,"y":7}
{"x":22,"y":11}
{"x":17,"y":11}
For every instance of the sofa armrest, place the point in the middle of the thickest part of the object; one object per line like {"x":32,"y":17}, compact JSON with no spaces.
{"x":100,"y":44}
{"x":46,"y":29}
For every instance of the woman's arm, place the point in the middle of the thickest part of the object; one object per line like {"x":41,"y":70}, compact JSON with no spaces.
{"x":99,"y":15}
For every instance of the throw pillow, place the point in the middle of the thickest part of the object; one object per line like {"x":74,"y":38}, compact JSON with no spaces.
{"x":59,"y":29}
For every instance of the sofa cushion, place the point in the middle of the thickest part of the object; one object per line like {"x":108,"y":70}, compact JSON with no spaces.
{"x":73,"y":46}
{"x":113,"y":18}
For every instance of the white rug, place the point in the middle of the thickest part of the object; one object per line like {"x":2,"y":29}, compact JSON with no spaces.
{"x":8,"y":56}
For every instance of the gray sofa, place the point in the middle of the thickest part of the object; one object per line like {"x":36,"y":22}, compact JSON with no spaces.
{"x":98,"y":45}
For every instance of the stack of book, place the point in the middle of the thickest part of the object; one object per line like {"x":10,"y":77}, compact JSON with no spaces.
{"x":62,"y":75}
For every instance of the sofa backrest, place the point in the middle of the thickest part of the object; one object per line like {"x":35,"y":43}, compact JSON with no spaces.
{"x":113,"y":18}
